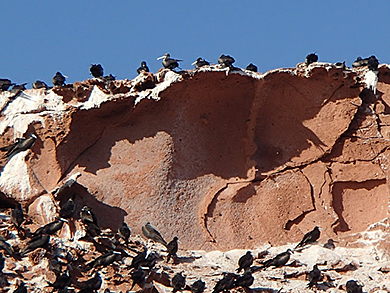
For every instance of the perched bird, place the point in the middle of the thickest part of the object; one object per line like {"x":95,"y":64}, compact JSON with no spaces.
{"x":314,"y":276}
{"x":372,"y":63}
{"x":371,"y":80}
{"x":226,"y":61}
{"x":62,"y":281}
{"x":124,"y":232}
{"x":2,"y":261}
{"x":251,"y":67}
{"x":226,"y":283}
{"x":38,"y":84}
{"x":59,"y":79}
{"x":311,"y":58}
{"x":5,"y":84}
{"x":87,"y":216}
{"x":360,"y":62}
{"x":150,"y":232}
{"x":198,"y":286}
{"x":245,"y":261}
{"x":18,"y":87}
{"x":21,"y":288}
{"x":200,"y":62}
{"x":353,"y":287}
{"x":138,"y":259}
{"x":172,"y":248}
{"x":92,"y":284}
{"x":105,"y":259}
{"x":310,"y":237}
{"x":39,"y":241}
{"x":169,"y":62}
{"x":138,"y":277}
{"x":278,"y":261}
{"x":178,"y":282}
{"x":55,"y":265}
{"x":21,"y":144}
{"x":143,"y":68}
{"x":17,"y":215}
{"x":340,"y":65}
{"x":4,"y":245}
{"x":96,"y":70}
{"x":93,"y":229}
{"x":50,"y":228}
{"x":68,"y":209}
{"x":330,"y":244}
{"x":245,"y":280}
{"x":150,"y":261}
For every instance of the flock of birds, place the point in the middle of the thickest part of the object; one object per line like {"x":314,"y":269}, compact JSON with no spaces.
{"x":143,"y":262}
{"x":224,"y":61}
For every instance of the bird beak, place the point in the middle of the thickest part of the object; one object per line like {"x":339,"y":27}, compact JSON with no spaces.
{"x":162,"y":57}
{"x":193,"y":63}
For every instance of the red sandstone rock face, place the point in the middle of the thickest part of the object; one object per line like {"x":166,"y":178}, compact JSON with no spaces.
{"x":221,"y":161}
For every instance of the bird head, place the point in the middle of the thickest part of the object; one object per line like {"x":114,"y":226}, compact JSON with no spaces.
{"x":165,"y":56}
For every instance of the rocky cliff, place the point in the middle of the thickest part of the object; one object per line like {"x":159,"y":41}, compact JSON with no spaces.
{"x":220,"y":159}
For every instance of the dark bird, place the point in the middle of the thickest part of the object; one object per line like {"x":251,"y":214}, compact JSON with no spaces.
{"x":38,"y":84}
{"x":360,"y":62}
{"x":138,"y":259}
{"x":96,"y":70}
{"x":340,"y":65}
{"x":138,"y":276}
{"x":330,"y":244}
{"x":124,"y":232}
{"x":245,"y":280}
{"x":105,"y":259}
{"x":353,"y":287}
{"x":310,"y":237}
{"x":68,"y":209}
{"x":278,"y":261}
{"x":311,"y":58}
{"x":55,"y":265}
{"x":143,"y":68}
{"x":169,"y":62}
{"x":150,"y":232}
{"x":5,"y":84}
{"x":92,"y":284}
{"x":62,"y":281}
{"x":50,"y":228}
{"x":172,"y":247}
{"x":4,"y":245}
{"x":226,"y":283}
{"x":178,"y":282}
{"x":87,"y":216}
{"x":17,"y":215}
{"x":150,"y":261}
{"x":21,"y":288}
{"x":372,"y":63}
{"x":36,"y":242}
{"x":245,"y":261}
{"x":200,"y":62}
{"x":2,"y":261}
{"x":226,"y":61}
{"x":314,"y":276}
{"x":198,"y":286}
{"x":59,"y":79}
{"x":22,"y":144}
{"x":18,"y":87}
{"x":251,"y":67}
{"x":92,"y":229}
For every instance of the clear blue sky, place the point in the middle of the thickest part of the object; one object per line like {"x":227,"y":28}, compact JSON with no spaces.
{"x":42,"y":37}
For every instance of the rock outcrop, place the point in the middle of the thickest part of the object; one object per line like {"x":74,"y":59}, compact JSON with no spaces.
{"x":220,"y":159}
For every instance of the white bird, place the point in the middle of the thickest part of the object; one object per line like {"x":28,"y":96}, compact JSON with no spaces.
{"x":371,"y":80}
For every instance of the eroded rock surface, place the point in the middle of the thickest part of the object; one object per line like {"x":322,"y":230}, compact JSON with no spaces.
{"x":220,"y":159}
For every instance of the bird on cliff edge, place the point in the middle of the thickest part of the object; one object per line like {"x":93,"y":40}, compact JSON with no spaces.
{"x":96,"y":70}
{"x":39,"y":84}
{"x":226,"y":61}
{"x":150,"y":232}
{"x":21,"y":144}
{"x":245,"y":261}
{"x":311,"y":58}
{"x":124,"y":232}
{"x":353,"y":287}
{"x":68,"y":209}
{"x":310,"y":237}
{"x":143,"y":68}
{"x":17,"y":216}
{"x":58,"y":79}
{"x":36,"y":242}
{"x":5,"y":83}
{"x":278,"y":261}
{"x":169,"y":62}
{"x":178,"y":282}
{"x":313,"y":276}
{"x":200,"y":62}
{"x":251,"y":67}
{"x":172,"y":247}
{"x":87,"y":216}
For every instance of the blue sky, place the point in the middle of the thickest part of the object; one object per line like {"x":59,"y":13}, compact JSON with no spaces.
{"x":42,"y":37}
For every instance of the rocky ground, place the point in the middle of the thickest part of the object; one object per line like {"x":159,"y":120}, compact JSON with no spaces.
{"x":369,"y":266}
